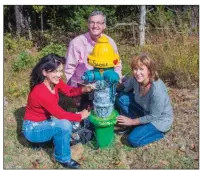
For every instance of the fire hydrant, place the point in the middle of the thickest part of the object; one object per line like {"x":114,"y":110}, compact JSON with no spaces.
{"x":103,"y":58}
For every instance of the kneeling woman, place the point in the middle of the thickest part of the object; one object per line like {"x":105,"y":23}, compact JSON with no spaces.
{"x":38,"y":125}
{"x":148,"y":106}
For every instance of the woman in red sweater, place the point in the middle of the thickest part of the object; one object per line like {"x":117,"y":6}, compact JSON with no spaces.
{"x":38,"y":125}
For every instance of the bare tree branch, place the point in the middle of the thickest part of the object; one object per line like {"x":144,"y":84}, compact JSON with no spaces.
{"x":122,"y":24}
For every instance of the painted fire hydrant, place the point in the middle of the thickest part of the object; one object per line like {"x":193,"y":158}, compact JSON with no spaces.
{"x":103,"y":117}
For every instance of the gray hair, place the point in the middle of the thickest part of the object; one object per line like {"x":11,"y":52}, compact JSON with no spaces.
{"x":94,"y":13}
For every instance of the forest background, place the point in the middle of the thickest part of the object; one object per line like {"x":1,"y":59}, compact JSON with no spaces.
{"x":171,"y":37}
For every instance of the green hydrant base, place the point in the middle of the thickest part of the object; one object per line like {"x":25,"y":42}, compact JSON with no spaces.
{"x":104,"y":128}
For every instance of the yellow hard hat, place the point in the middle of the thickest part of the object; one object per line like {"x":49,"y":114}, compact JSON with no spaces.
{"x":103,"y":54}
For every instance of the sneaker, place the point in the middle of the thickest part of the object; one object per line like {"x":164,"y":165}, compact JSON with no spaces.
{"x":72,"y":164}
{"x":123,"y":130}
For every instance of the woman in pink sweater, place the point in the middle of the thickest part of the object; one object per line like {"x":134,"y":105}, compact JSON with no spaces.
{"x":38,"y":125}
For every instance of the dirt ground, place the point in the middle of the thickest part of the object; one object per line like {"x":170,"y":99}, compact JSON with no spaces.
{"x":178,"y":150}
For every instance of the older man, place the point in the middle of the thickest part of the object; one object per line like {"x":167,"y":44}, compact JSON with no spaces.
{"x":79,"y":49}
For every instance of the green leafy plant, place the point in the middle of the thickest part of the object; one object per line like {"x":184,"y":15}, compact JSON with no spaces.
{"x":23,"y":61}
{"x":13,"y":45}
{"x":161,"y":17}
{"x":58,"y":49}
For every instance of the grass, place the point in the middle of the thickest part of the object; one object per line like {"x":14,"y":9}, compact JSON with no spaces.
{"x":179,"y":149}
{"x":176,"y":59}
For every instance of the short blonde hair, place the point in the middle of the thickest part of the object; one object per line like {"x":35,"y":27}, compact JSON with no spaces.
{"x":144,"y":59}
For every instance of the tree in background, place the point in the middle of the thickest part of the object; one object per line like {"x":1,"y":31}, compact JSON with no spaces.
{"x":23,"y":21}
{"x":19,"y":19}
{"x":142,"y":24}
{"x":53,"y":22}
{"x":39,"y":9}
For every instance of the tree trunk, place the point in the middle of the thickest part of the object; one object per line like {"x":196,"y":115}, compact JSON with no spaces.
{"x":133,"y":31}
{"x":194,"y":19}
{"x":28,"y":25}
{"x":18,"y":20}
{"x":23,"y":20}
{"x":9,"y":26}
{"x":42,"y":24}
{"x":27,"y":22}
{"x":142,"y":24}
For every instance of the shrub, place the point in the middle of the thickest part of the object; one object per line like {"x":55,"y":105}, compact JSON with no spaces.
{"x":23,"y":61}
{"x":13,"y":45}
{"x":58,"y":49}
{"x":176,"y":59}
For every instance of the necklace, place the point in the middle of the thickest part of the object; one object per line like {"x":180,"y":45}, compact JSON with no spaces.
{"x":143,"y":88}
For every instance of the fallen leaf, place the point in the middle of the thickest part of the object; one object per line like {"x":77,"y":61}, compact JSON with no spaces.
{"x":110,"y":166}
{"x":196,"y":157}
{"x":35,"y":165}
{"x":182,"y":148}
{"x":192,"y":147}
{"x":116,"y":162}
{"x":44,"y":167}
{"x":164,"y":162}
{"x":38,"y":161}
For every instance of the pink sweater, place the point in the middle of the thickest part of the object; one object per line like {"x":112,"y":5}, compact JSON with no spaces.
{"x":76,"y":58}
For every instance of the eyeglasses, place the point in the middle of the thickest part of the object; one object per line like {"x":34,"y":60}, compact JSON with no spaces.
{"x":97,"y":23}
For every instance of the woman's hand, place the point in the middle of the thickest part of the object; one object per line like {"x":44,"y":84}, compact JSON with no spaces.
{"x":88,"y":88}
{"x":84,"y":114}
{"x":123,"y":120}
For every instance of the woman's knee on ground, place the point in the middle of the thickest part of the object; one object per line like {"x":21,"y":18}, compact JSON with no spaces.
{"x":138,"y":140}
{"x":134,"y":141}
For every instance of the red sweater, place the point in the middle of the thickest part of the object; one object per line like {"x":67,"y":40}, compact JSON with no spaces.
{"x":42,"y":103}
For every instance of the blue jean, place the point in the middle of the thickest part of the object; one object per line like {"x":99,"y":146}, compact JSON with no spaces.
{"x":142,"y":134}
{"x":57,"y":129}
